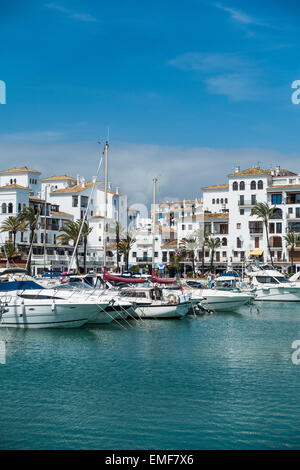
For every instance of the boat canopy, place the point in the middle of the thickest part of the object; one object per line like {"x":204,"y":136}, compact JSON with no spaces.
{"x":159,"y":280}
{"x":19,"y":285}
{"x":128,"y":280}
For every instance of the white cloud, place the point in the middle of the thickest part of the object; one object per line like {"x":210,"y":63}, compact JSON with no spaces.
{"x":86,"y":17}
{"x":224,"y":74}
{"x":181,"y":171}
{"x":241,"y":17}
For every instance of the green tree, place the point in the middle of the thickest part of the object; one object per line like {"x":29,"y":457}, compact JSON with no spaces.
{"x":8,"y":251}
{"x":119,"y":234}
{"x":191,"y":245}
{"x":202,"y":238}
{"x":70,"y":232}
{"x":125,"y":246}
{"x":213,"y":244}
{"x":13,"y":225}
{"x":86,"y":230}
{"x":291,"y":241}
{"x":263,"y":211}
{"x":30,"y":218}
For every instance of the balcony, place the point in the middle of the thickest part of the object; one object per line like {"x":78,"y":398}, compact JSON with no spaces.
{"x":144,"y":260}
{"x":246,"y":203}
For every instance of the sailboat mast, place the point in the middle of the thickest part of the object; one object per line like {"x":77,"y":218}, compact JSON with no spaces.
{"x":153,"y":221}
{"x":106,"y":147}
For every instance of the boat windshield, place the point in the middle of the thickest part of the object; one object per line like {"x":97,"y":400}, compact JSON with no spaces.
{"x":282,"y":279}
{"x":271,"y":279}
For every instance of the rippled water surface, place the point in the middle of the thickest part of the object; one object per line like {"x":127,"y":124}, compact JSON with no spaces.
{"x":223,"y":381}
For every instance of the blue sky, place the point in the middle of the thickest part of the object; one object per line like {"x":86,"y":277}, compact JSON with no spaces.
{"x":188,"y":89}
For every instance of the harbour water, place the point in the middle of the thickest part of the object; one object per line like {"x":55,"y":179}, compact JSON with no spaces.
{"x":223,"y":381}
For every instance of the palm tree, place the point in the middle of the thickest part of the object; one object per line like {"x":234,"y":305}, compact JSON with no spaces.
{"x":119,"y":233}
{"x":30,"y":218}
{"x":191,"y":244}
{"x":291,"y":241}
{"x":70,"y":232}
{"x":8,"y":251}
{"x":263,"y":211}
{"x":175,"y":261}
{"x":213,"y":244}
{"x":86,"y":230}
{"x":13,"y":225}
{"x":125,"y":246}
{"x":202,"y":238}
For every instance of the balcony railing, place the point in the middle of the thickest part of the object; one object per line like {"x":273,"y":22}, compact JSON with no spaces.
{"x":246,"y":203}
{"x":144,"y":260}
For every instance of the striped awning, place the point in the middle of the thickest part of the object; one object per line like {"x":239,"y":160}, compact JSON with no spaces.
{"x":256,"y":252}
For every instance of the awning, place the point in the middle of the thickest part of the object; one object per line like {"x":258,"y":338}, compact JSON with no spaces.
{"x":256,"y":252}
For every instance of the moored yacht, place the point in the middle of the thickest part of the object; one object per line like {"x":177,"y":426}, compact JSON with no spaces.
{"x":271,"y":285}
{"x":152,"y":303}
{"x":25,"y":304}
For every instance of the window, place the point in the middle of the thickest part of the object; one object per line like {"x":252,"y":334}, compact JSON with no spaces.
{"x":74,"y":201}
{"x":276,"y":198}
{"x":278,"y":227}
{"x":238,"y":243}
{"x":242,"y":200}
{"x":260,"y":185}
{"x":4,"y":208}
{"x":235,"y":186}
{"x":218,"y":201}
{"x":183,"y":227}
{"x":226,"y":200}
{"x":242,"y":211}
{"x":19,"y":207}
{"x":156,"y":254}
{"x":164,"y":256}
{"x":277,"y":214}
{"x":290,"y":210}
{"x":213,"y":201}
{"x":235,"y":254}
{"x":253,"y":185}
{"x":297,"y":212}
{"x":134,"y":254}
{"x":242,"y":186}
{"x":253,"y":199}
{"x":224,"y":241}
{"x":224,"y":254}
{"x":222,"y":200}
{"x":10,"y":208}
{"x":238,"y":226}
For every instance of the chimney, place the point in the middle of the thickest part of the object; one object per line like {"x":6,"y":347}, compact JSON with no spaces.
{"x":237,"y":169}
{"x":117,"y":190}
{"x":277,"y":170}
{"x":78,"y":179}
{"x":83,"y":182}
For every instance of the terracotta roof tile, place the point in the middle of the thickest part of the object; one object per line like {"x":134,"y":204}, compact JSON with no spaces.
{"x":14,"y":186}
{"x":58,"y":178}
{"x":20,"y":170}
{"x":217,"y":186}
{"x":77,"y":188}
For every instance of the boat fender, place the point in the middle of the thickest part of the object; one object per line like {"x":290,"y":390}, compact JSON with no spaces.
{"x":53,"y":306}
{"x":172,"y":298}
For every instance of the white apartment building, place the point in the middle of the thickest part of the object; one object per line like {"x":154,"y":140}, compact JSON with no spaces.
{"x":65,"y":198}
{"x":246,"y":238}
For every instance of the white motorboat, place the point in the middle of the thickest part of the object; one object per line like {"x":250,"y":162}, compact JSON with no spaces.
{"x":25,"y":304}
{"x":111,"y":307}
{"x":271,"y":285}
{"x":217,"y":299}
{"x":152,"y":303}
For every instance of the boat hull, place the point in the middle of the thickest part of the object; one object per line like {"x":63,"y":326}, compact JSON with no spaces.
{"x":163,"y":311}
{"x":46,"y":315}
{"x":278,"y":294}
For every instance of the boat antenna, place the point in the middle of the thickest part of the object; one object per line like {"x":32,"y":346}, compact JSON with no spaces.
{"x":153,"y":220}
